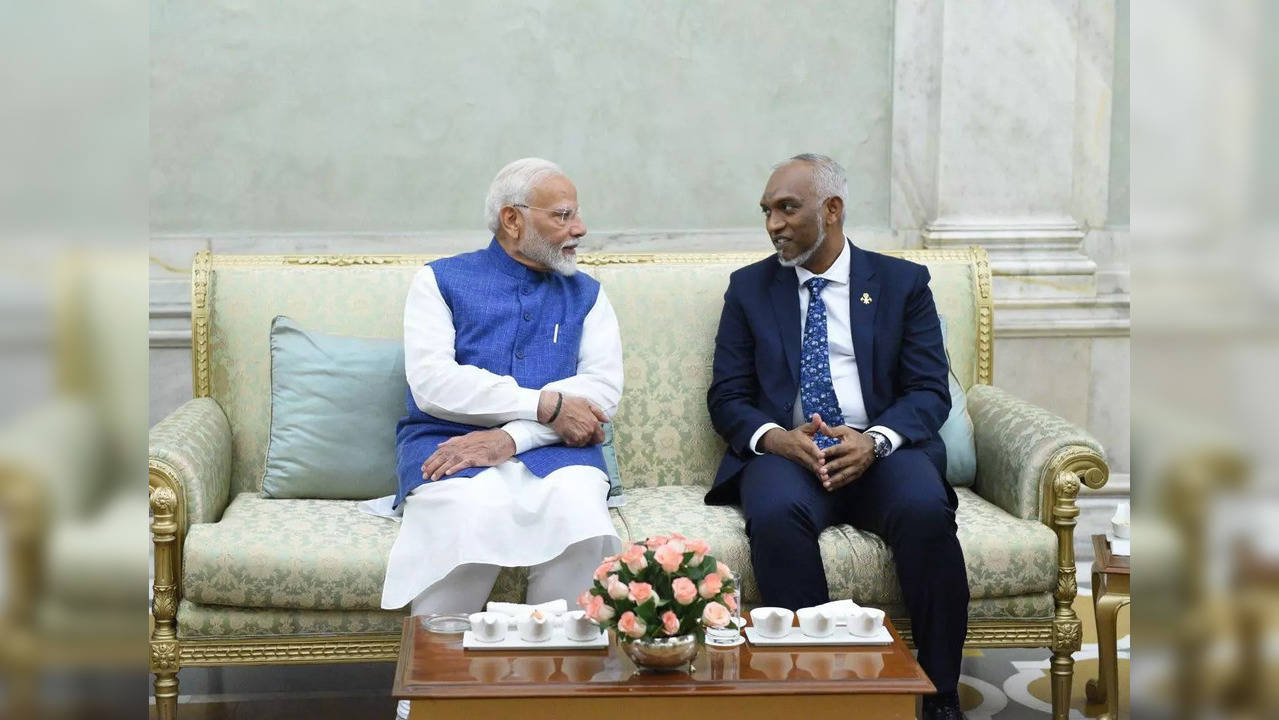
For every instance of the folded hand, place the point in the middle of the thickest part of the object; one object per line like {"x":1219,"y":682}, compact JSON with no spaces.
{"x":480,"y":448}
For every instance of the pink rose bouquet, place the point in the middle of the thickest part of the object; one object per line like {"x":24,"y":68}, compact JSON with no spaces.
{"x":660,"y":587}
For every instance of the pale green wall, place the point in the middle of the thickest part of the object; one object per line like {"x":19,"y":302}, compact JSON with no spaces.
{"x":1119,"y":119}
{"x":394,"y":115}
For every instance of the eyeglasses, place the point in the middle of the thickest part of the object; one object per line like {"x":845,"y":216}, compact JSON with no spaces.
{"x":563,"y":216}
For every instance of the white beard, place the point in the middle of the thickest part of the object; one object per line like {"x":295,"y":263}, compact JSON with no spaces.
{"x":808,"y":254}
{"x":537,"y":248}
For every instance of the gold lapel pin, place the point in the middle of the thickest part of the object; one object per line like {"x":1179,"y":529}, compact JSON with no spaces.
{"x":865,"y":298}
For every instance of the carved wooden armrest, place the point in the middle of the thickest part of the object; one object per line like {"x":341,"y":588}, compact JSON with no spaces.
{"x":189,"y":469}
{"x":1021,"y":447}
{"x":1031,"y":463}
{"x":190,"y":452}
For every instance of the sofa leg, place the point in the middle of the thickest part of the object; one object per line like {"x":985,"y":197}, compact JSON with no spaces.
{"x":166,"y":695}
{"x":1062,"y":676}
{"x":164,"y":633}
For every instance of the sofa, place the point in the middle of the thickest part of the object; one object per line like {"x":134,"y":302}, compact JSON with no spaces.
{"x":243,"y":579}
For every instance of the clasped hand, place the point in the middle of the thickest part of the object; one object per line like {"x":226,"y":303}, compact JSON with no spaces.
{"x":835,"y":466}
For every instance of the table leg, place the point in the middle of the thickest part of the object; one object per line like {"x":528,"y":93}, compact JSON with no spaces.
{"x":1108,"y":606}
{"x":1095,"y":688}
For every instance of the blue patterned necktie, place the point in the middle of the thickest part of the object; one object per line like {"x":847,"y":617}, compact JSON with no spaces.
{"x":816,"y":389}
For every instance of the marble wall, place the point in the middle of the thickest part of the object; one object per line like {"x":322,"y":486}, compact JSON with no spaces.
{"x":1000,"y":124}
{"x":288,"y":117}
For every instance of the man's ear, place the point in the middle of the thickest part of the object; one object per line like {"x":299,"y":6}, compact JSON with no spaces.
{"x":834,"y":209}
{"x":511,"y":221}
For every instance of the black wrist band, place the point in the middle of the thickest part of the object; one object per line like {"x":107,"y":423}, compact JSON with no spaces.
{"x":558,"y":404}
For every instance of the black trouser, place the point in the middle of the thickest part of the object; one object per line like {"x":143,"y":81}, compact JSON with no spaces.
{"x":901,"y":499}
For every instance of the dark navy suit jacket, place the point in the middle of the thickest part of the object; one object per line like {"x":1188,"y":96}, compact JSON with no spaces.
{"x":897,"y":338}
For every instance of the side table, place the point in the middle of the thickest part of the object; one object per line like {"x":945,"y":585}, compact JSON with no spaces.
{"x":1110,"y":575}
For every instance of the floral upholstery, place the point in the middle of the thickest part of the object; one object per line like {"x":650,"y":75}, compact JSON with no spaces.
{"x":1005,"y":556}
{"x":194,"y":442}
{"x":1033,"y":606}
{"x":300,"y":554}
{"x":217,"y":621}
{"x":1015,"y":441}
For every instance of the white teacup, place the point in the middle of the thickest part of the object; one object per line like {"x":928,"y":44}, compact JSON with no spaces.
{"x":772,"y":622}
{"x":535,"y":628}
{"x":865,"y":622}
{"x":579,"y":627}
{"x":488,"y":626}
{"x":816,"y":622}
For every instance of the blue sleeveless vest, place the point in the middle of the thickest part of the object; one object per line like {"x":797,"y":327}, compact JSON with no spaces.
{"x":504,"y":317}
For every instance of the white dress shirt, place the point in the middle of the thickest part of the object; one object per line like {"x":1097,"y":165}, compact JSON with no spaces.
{"x":467,"y":394}
{"x":843,"y":358}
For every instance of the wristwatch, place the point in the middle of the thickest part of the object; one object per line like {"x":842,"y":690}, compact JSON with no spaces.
{"x":882,"y":445}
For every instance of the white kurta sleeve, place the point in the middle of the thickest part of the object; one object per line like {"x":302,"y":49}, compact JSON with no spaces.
{"x":440,"y":386}
{"x":598,"y":378}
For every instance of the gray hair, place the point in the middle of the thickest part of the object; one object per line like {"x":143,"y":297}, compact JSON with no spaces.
{"x":512,"y":186}
{"x":829,"y":179}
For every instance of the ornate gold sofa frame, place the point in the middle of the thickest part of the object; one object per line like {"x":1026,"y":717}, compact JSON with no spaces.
{"x":206,"y":457}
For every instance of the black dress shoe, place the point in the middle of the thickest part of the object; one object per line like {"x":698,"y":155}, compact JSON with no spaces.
{"x":944,"y":706}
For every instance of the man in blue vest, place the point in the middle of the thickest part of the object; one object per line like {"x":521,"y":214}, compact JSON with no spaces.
{"x":829,"y":385}
{"x":513,"y":361}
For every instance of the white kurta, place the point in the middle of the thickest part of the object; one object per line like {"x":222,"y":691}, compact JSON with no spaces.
{"x":505,"y":515}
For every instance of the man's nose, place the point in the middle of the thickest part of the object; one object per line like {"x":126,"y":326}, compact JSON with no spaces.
{"x":773,"y":223}
{"x":577,"y":228}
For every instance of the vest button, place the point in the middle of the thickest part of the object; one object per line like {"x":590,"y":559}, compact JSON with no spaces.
{"x":525,"y":290}
{"x":519,"y":354}
{"x":528,"y":316}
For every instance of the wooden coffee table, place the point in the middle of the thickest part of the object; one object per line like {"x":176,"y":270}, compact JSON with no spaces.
{"x":444,"y":681}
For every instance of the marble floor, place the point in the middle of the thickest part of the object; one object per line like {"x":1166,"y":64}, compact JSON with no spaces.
{"x":996,"y":684}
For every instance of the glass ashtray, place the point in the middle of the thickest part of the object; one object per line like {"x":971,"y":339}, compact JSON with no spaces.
{"x":446,"y":623}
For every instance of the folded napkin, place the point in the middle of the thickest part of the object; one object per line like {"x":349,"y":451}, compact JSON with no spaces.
{"x":519,"y":611}
{"x":840,"y":608}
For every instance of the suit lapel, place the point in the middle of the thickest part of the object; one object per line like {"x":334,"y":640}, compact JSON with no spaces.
{"x":785,"y":303}
{"x":863,"y":287}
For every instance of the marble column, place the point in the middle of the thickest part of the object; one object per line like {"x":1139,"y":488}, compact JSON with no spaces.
{"x":1002,"y":138}
{"x":1001,"y":135}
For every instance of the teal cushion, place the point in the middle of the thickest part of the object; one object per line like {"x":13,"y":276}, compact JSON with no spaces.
{"x":335,"y":401}
{"x":957,"y":432}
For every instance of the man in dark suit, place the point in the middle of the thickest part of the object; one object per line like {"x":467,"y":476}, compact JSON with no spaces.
{"x":830,"y":384}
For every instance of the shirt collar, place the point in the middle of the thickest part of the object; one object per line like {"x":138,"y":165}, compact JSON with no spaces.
{"x":836,"y":273}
